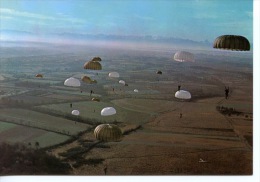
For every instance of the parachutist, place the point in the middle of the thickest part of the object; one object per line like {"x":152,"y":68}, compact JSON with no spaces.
{"x":105,"y":170}
{"x":226,"y":92}
{"x":179,"y":87}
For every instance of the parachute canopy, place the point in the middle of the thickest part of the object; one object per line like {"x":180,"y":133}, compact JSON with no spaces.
{"x":1,"y":77}
{"x":75,"y":112}
{"x":135,"y":90}
{"x":96,"y":59}
{"x":183,"y":56}
{"x":95,"y":99}
{"x":108,"y":133}
{"x":122,"y":82}
{"x":39,"y":75}
{"x":113,"y":75}
{"x":159,"y":72}
{"x":182,"y":94}
{"x":93,"y":65}
{"x":232,"y":42}
{"x":107,"y":111}
{"x":72,"y":82}
{"x":88,"y":79}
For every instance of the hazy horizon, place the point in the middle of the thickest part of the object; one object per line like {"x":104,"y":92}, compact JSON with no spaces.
{"x":198,"y":21}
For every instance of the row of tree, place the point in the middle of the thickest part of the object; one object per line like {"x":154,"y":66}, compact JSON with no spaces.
{"x":18,"y":159}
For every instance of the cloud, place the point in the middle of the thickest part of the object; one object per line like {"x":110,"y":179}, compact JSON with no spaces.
{"x":14,"y":13}
{"x":6,"y":17}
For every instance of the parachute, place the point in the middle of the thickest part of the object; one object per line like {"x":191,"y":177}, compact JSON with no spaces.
{"x":1,"y":78}
{"x":72,"y":82}
{"x":96,"y":59}
{"x":183,"y":56}
{"x":39,"y":75}
{"x":113,"y":75}
{"x":108,"y":133}
{"x":122,"y":82}
{"x":182,"y":94}
{"x":107,"y":111}
{"x":75,"y":112}
{"x":159,"y":72}
{"x":93,"y":65}
{"x":135,"y":90}
{"x":232,"y":42}
{"x":88,"y":79}
{"x":95,"y":99}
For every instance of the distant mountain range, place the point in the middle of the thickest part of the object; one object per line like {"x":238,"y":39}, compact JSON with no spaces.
{"x":79,"y":36}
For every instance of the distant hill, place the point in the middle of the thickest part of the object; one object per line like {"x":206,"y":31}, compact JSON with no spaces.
{"x":14,"y":34}
{"x":147,"y":38}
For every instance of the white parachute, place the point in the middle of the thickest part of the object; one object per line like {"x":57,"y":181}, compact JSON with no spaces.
{"x":135,"y":90}
{"x":75,"y":112}
{"x":72,"y":82}
{"x":1,"y":78}
{"x":122,"y":82}
{"x":113,"y":75}
{"x":183,"y":56}
{"x":183,"y":94}
{"x":107,"y":111}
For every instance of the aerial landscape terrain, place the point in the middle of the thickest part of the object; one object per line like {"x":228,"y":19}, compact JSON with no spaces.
{"x":156,"y":140}
{"x":127,"y":88}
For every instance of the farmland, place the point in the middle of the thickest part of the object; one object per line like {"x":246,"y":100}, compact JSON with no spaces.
{"x":157,"y":141}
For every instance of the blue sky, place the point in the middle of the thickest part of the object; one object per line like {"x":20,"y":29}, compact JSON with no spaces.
{"x":197,"y":20}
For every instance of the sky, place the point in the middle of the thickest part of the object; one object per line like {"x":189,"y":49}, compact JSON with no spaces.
{"x":197,"y":20}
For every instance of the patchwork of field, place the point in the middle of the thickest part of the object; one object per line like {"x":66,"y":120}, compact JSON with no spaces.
{"x":162,"y":134}
{"x":201,"y":142}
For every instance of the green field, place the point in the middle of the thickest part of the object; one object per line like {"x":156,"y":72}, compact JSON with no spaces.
{"x":44,"y":121}
{"x":90,"y":109}
{"x":13,"y":133}
{"x":6,"y":126}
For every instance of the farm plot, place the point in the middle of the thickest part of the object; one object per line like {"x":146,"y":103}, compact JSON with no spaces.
{"x":63,"y":97}
{"x":246,"y":107}
{"x":6,"y":126}
{"x":194,"y":115}
{"x":147,"y":105}
{"x":39,"y":80}
{"x":32,"y":100}
{"x":13,"y":133}
{"x":42,"y":121}
{"x":90,"y":109}
{"x":200,"y":118}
